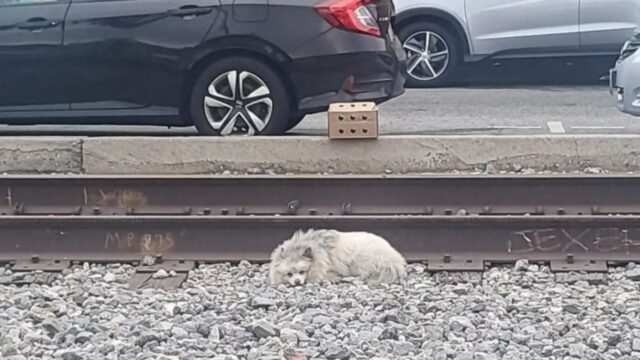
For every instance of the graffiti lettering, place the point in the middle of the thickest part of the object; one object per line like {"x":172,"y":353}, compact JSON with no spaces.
{"x":573,"y":241}
{"x":614,"y":239}
{"x":566,"y":241}
{"x":119,"y":198}
{"x":535,"y":240}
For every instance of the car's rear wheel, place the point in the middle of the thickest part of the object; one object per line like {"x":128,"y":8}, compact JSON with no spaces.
{"x":239,"y":96}
{"x":294,"y":121}
{"x":432,"y":53}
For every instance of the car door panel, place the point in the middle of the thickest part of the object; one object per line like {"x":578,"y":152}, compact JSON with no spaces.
{"x":31,"y":69}
{"x":606,"y":24}
{"x":523,"y":25}
{"x":133,"y":53}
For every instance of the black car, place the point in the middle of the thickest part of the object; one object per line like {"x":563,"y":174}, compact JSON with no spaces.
{"x":225,"y":66}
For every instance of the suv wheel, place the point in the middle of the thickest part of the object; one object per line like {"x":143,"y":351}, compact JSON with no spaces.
{"x":432,"y":53}
{"x":239,"y":96}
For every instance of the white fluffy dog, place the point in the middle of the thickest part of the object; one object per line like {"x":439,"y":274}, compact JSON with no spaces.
{"x":327,"y":255}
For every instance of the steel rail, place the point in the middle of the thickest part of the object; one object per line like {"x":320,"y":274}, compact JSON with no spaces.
{"x":445,"y":242}
{"x":320,"y":195}
{"x":451,"y":222}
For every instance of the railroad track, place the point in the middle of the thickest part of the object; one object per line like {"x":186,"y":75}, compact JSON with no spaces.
{"x":451,"y":222}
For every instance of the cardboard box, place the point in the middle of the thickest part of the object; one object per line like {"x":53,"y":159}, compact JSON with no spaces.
{"x":353,"y":120}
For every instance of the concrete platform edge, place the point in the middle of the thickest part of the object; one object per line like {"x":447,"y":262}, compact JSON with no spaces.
{"x":315,"y":155}
{"x":34,"y":155}
{"x":389,"y":154}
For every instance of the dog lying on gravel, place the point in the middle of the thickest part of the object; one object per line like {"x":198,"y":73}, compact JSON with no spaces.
{"x":328,"y":255}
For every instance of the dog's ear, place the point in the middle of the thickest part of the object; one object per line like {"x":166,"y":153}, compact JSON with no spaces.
{"x":298,"y":234}
{"x":308,"y":253}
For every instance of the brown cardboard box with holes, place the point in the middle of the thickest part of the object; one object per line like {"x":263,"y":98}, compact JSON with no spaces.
{"x":353,"y":121}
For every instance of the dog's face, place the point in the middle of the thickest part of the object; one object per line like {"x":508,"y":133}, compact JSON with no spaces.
{"x":293,"y":269}
{"x":294,"y":273}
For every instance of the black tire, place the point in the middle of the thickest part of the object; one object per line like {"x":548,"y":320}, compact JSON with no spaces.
{"x":294,"y":121}
{"x":452,"y":42}
{"x":281,"y":103}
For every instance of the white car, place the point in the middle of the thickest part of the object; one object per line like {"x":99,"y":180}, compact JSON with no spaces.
{"x":625,"y":78}
{"x":438,"y":35}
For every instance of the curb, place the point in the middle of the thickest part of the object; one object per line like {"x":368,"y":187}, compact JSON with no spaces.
{"x":318,"y":155}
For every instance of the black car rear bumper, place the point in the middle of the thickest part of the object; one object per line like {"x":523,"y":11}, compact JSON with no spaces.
{"x":376,"y":77}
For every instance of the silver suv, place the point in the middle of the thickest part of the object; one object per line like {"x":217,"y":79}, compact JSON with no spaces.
{"x":625,"y":77}
{"x":440,"y":34}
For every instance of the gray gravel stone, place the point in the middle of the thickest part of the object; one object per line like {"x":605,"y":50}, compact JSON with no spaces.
{"x":289,"y":337}
{"x":577,"y":350}
{"x":160,"y":274}
{"x":464,"y":356}
{"x":571,"y":308}
{"x":396,"y":317}
{"x":476,"y":308}
{"x":598,"y":342}
{"x":71,"y":355}
{"x":83,"y":337}
{"x":262,"y":302}
{"x":148,"y":337}
{"x":522,"y":265}
{"x":337,"y":352}
{"x":148,"y":260}
{"x":230,"y":312}
{"x":263,"y":329}
{"x":52,"y":327}
{"x":321,"y":320}
{"x":215,"y":334}
{"x":403,"y":348}
{"x":110,"y":277}
{"x":634,"y":273}
{"x":179,"y":333}
{"x":433,"y":332}
{"x":460,"y":323}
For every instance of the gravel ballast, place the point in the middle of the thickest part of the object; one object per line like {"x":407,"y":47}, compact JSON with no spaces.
{"x":229,"y":312}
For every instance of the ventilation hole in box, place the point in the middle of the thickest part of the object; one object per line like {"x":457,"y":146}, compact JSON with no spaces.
{"x":365,"y":131}
{"x":353,"y":131}
{"x":341,"y":131}
{"x":340,"y":117}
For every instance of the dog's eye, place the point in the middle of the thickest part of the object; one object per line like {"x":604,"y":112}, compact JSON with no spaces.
{"x":289,"y":274}
{"x":301,"y":272}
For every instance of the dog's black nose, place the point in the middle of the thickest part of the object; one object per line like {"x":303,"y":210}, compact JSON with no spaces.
{"x":298,"y":282}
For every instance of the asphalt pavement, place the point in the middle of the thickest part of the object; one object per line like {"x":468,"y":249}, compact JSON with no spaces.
{"x":510,"y":110}
{"x":565,"y":96}
{"x":550,"y":98}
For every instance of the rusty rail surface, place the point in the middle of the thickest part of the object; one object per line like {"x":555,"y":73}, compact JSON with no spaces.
{"x":452,"y":222}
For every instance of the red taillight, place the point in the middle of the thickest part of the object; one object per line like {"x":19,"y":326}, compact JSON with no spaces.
{"x":352,"y":15}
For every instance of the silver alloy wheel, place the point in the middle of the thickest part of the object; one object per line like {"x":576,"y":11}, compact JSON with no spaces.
{"x":238,"y":102}
{"x":427,"y":55}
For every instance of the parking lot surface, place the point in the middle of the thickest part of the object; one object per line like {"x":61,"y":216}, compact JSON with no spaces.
{"x":506,"y":110}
